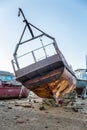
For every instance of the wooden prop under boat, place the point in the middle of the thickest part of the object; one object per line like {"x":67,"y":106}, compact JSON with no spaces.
{"x":50,"y":77}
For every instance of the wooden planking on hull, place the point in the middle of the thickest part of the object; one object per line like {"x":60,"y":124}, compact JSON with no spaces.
{"x":61,"y":85}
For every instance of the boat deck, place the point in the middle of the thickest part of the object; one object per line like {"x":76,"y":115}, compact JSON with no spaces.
{"x":38,"y":69}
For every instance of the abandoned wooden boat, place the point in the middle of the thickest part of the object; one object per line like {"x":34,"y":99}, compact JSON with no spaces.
{"x":48,"y":76}
{"x":10,"y":88}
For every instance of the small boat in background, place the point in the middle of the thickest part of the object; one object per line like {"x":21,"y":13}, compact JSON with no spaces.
{"x":10,"y":88}
{"x":46,"y":71}
{"x":81,"y":84}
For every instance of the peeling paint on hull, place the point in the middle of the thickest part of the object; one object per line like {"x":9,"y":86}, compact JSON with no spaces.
{"x":61,"y":86}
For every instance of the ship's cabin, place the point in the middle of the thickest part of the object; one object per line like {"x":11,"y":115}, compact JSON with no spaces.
{"x":81,"y":74}
{"x":7,"y":78}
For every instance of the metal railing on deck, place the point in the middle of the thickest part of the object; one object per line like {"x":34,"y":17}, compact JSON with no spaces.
{"x":16,"y":64}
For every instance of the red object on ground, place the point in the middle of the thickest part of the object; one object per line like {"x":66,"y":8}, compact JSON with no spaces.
{"x":10,"y":88}
{"x":13,"y":92}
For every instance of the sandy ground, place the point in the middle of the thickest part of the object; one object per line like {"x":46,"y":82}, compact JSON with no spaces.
{"x":24,"y":115}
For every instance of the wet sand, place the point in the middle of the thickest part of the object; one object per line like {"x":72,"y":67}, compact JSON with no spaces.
{"x":24,"y":115}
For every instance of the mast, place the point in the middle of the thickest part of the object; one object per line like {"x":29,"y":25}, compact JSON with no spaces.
{"x":86,"y":63}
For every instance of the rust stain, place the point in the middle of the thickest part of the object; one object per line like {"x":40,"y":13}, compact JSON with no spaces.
{"x":66,"y":83}
{"x":59,"y":88}
{"x":50,"y":74}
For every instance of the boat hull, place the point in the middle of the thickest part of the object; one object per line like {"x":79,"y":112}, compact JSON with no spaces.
{"x":81,"y":85}
{"x":56,"y":83}
{"x":13,"y":92}
{"x":48,"y":78}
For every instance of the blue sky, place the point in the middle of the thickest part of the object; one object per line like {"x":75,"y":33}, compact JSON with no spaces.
{"x":66,"y":20}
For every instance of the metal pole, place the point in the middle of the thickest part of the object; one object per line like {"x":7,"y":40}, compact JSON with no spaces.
{"x":43,"y":48}
{"x":25,"y":20}
{"x":86,"y":63}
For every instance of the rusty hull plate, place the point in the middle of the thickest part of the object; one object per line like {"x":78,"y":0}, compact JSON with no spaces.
{"x":65,"y":83}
